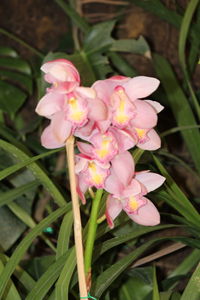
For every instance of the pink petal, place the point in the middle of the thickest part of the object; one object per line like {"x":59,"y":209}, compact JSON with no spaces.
{"x":81,"y":164}
{"x":148,"y":215}
{"x":153,"y":142}
{"x":85,"y":148}
{"x":105,"y":147}
{"x":123,"y":166}
{"x":81,"y":188}
{"x":50,"y":104}
{"x":104,"y":89}
{"x":146,"y":116}
{"x":97,"y":110}
{"x":156,"y":105}
{"x":113,"y":185}
{"x":124,"y":139}
{"x":86,"y":92}
{"x":86,"y":131}
{"x":48,"y":140}
{"x":61,"y":128}
{"x":150,"y":180}
{"x":141,"y":87}
{"x":113,"y":209}
{"x":62,"y":70}
{"x":134,"y":188}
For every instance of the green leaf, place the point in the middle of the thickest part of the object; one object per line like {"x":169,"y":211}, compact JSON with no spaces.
{"x":187,"y":19}
{"x":47,"y":280}
{"x":39,"y":265}
{"x":63,"y":282}
{"x":180,"y":107}
{"x":18,"y":79}
{"x":138,"y":286}
{"x":10,"y":291}
{"x":139,"y":231}
{"x":187,"y":209}
{"x":121,"y":64}
{"x":182,"y":270}
{"x":12,"y":169}
{"x":64,"y":234}
{"x":99,"y":37}
{"x":139,"y":46}
{"x":74,"y":16}
{"x":25,"y":244}
{"x":11,"y":97}
{"x":104,"y":280}
{"x":6,"y":51}
{"x":192,"y":290}
{"x":8,"y":197}
{"x":16,"y":64}
{"x":38,"y":172}
{"x":24,"y":278}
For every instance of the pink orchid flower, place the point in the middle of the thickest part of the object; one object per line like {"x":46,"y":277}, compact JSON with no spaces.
{"x":62,"y":74}
{"x":106,"y":145}
{"x":68,"y":113}
{"x":90,"y":173}
{"x":127,"y":190}
{"x":122,"y":96}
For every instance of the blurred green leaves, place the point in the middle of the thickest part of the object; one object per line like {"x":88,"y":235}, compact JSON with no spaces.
{"x":16,"y":81}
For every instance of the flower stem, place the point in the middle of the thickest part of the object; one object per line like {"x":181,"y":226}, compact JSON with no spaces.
{"x":77,"y":219}
{"x":92,"y":231}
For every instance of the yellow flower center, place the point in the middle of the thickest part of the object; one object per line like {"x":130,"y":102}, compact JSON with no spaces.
{"x":140,"y":132}
{"x":133,"y":203}
{"x":104,"y":150}
{"x":76,"y":114}
{"x":96,"y":177}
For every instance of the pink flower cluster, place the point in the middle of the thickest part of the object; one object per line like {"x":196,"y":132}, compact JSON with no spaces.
{"x":111,"y":118}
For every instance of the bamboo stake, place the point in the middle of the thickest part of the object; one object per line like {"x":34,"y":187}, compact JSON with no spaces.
{"x":77,"y":220}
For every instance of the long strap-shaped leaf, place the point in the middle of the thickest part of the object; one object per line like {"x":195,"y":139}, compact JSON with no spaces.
{"x":109,"y":275}
{"x":25,"y":243}
{"x":187,"y":19}
{"x":47,"y":279}
{"x":180,"y":107}
{"x":37,"y":171}
{"x":192,"y":290}
{"x":11,"y":291}
{"x":188,"y":210}
{"x":11,"y":195}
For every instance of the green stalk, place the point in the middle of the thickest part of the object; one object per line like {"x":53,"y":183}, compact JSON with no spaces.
{"x":92,"y":230}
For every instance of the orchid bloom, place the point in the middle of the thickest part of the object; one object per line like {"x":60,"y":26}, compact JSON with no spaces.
{"x":122,"y":96}
{"x":106,"y":145}
{"x":62,"y":74}
{"x":68,"y":113}
{"x":90,"y":173}
{"x":127,"y":190}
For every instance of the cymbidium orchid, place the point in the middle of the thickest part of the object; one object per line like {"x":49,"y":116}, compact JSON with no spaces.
{"x":106,"y":145}
{"x":127,"y":190}
{"x":122,"y":96}
{"x":110,"y":117}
